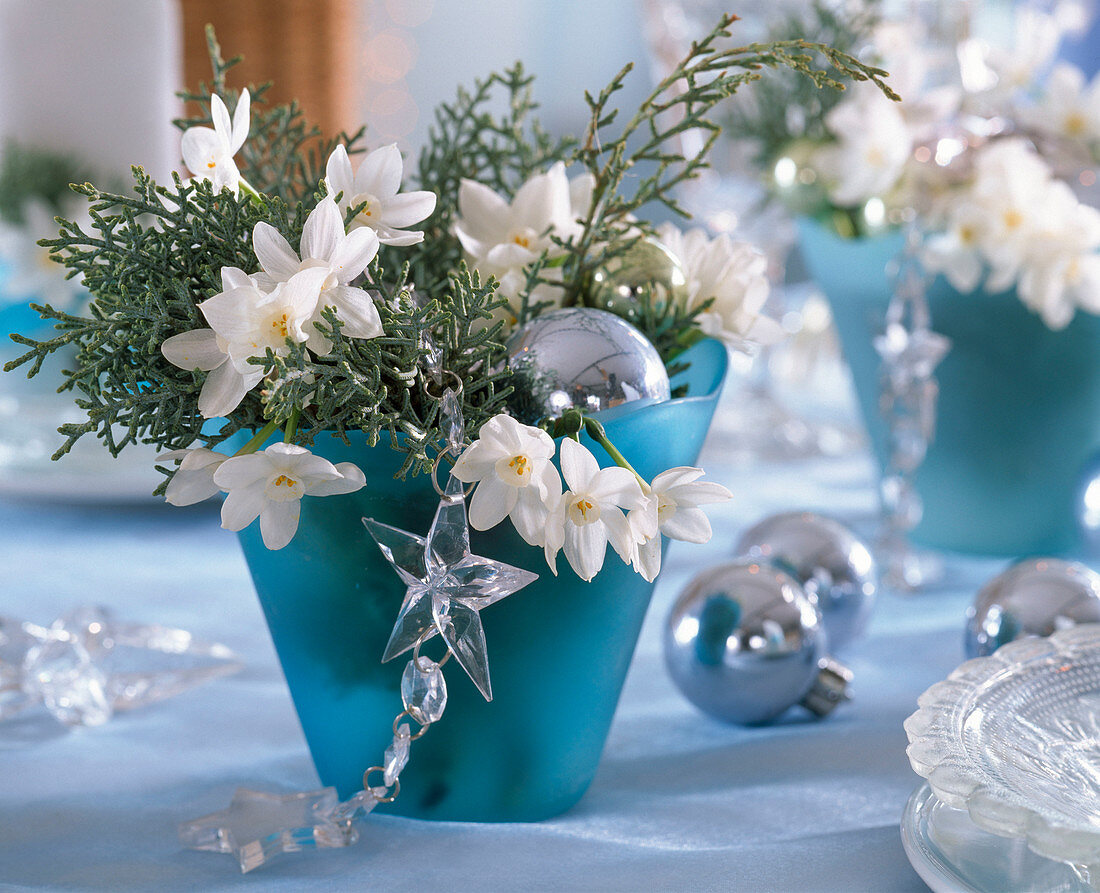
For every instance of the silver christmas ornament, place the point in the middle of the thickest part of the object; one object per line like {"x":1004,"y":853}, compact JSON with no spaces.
{"x":1035,"y":597}
{"x":744,"y":643}
{"x":648,"y":271}
{"x":584,"y":358}
{"x":834,"y":567}
{"x":1087,"y":506}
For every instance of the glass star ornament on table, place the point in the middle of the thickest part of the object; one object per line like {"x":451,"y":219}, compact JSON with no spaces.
{"x":447,"y":586}
{"x":86,"y":666}
{"x":257,"y":826}
{"x":910,"y":356}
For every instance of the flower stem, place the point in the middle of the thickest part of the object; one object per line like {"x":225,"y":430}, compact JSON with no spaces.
{"x":257,"y":196}
{"x":291,"y":425}
{"x":596,"y":431}
{"x":258,"y":438}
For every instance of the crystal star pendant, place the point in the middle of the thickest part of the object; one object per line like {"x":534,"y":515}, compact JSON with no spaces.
{"x":910,"y":356}
{"x":447,"y":586}
{"x":257,"y":826}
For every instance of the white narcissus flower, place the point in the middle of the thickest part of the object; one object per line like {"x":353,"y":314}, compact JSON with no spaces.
{"x":1036,"y":36}
{"x":208,"y":153}
{"x":734,"y":275}
{"x":194,"y":479}
{"x":377,"y":184}
{"x":342,"y":256}
{"x":31,"y":273}
{"x":244,"y":323}
{"x":1068,"y":108}
{"x":270,"y":485}
{"x":873,"y":145}
{"x":502,"y":238}
{"x":512,"y":464}
{"x":957,"y":252}
{"x":205,"y":350}
{"x":673,"y":507}
{"x":590,"y":514}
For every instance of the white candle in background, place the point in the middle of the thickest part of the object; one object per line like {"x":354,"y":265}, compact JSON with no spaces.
{"x":93,"y":77}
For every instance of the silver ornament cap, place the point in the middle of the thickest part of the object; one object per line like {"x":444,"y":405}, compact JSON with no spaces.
{"x":834,"y":567}
{"x":584,"y":358}
{"x":1034,"y":597}
{"x":743,"y":643}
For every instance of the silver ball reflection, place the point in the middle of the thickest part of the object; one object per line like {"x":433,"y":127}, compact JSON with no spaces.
{"x":647,"y":273}
{"x":743,"y":642}
{"x":585,"y":358}
{"x":1087,"y":506}
{"x":1035,"y":597}
{"x":834,"y":567}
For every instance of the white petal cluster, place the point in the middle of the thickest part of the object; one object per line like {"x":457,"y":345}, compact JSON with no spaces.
{"x":502,"y":238}
{"x":1027,"y":229}
{"x":286,"y":297}
{"x":30,"y":273}
{"x":512,"y":465}
{"x":734,"y":275}
{"x":376,"y":186}
{"x":873,"y":145}
{"x":208,"y":153}
{"x":1069,"y":107}
{"x":268,"y":485}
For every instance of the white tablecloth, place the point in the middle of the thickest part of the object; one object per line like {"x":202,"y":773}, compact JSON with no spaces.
{"x":680,"y":802}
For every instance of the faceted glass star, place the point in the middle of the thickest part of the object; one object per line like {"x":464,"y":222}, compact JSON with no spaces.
{"x":257,"y":827}
{"x":87,"y":666}
{"x":910,"y":355}
{"x":447,"y":586}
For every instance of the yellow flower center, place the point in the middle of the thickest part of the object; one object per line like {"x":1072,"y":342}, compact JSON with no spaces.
{"x":279,"y":325}
{"x":283,"y":481}
{"x":1013,"y":218}
{"x":522,"y":241}
{"x":583,"y":510}
{"x":371,"y":207}
{"x":967,"y":235}
{"x":514,"y":470}
{"x":1074,"y":125}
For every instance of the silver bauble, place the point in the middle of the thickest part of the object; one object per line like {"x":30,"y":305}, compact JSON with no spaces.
{"x":743,"y":643}
{"x":834,"y":567}
{"x":646,"y":272}
{"x":585,"y":358}
{"x":1087,"y":506}
{"x":1035,"y":597}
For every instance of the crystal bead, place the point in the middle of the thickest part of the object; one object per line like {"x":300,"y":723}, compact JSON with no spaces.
{"x":451,"y":423}
{"x":397,"y":754}
{"x":901,"y":502}
{"x":359,"y":804}
{"x":423,"y":690}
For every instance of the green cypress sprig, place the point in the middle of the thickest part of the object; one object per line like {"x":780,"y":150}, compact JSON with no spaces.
{"x":685,"y":100}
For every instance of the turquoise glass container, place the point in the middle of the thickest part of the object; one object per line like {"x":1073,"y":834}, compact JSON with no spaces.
{"x":1019,"y":406}
{"x":558,"y":649}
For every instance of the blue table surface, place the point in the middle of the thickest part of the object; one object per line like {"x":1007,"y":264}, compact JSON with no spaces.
{"x":680,"y":802}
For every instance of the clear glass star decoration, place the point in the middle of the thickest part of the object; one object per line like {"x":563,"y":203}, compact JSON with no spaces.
{"x":258,"y":826}
{"x":910,"y":356}
{"x":87,"y":666}
{"x":447,"y":586}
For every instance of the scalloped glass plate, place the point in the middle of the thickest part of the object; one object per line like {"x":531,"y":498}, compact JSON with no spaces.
{"x":1014,"y":738}
{"x":953,"y":855}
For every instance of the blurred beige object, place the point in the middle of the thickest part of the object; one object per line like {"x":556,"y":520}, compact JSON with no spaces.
{"x":62,"y":88}
{"x":309,"y":48}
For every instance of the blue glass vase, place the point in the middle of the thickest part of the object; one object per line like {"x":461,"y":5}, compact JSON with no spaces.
{"x":1019,"y":407}
{"x":558,"y":649}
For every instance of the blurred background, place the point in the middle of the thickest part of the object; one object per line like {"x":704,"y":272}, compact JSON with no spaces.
{"x":92,"y":84}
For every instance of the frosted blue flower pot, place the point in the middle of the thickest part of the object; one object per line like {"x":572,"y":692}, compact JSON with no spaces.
{"x":558,"y":649}
{"x":1019,"y":406}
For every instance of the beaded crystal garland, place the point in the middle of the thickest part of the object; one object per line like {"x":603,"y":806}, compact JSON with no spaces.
{"x":447,"y":588}
{"x":910,"y":353}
